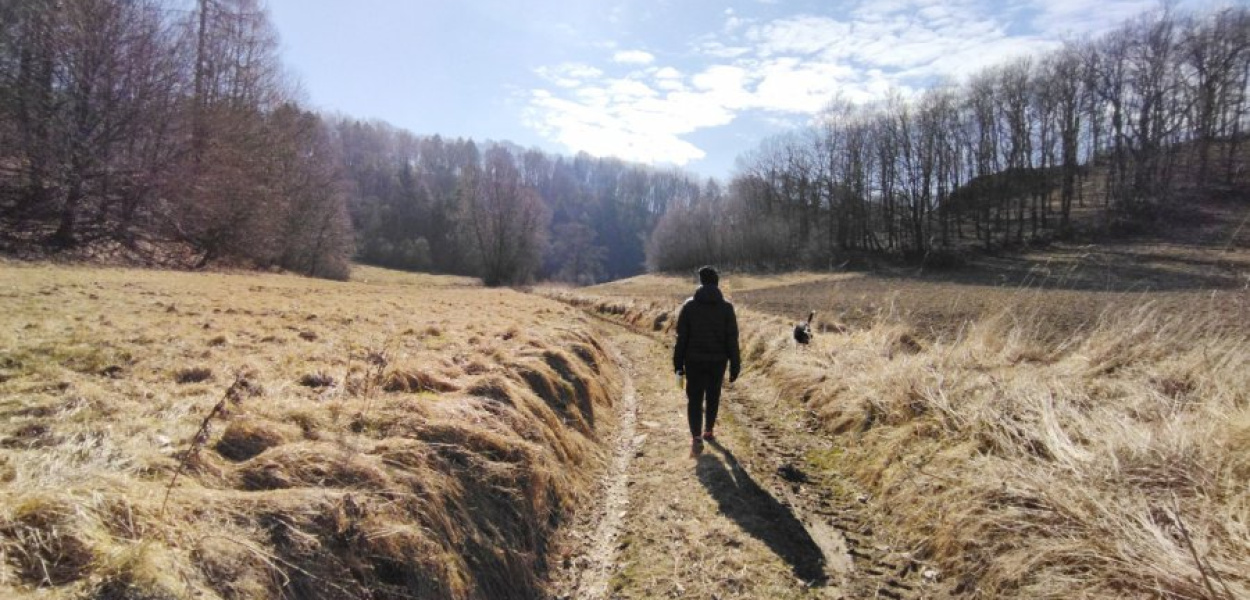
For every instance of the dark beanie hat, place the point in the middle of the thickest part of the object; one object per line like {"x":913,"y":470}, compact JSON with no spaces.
{"x":708,"y":276}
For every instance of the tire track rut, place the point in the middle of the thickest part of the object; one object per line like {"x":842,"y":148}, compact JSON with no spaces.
{"x":752,"y":517}
{"x":589,"y":575}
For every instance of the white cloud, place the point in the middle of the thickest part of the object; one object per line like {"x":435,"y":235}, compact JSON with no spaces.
{"x":636,"y":132}
{"x":668,"y":79}
{"x":790,"y":68}
{"x":1062,"y":17}
{"x":667,"y":73}
{"x":569,"y":75}
{"x":633,"y":57}
{"x":716,"y":49}
{"x":800,"y":35}
{"x":789,"y":85}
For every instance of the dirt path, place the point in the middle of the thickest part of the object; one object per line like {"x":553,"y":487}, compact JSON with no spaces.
{"x":752,"y":517}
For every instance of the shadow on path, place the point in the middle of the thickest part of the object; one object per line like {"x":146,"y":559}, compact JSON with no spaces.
{"x":759,"y":514}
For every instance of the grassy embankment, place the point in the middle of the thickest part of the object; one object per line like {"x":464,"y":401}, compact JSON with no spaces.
{"x":1031,"y":443}
{"x":394,"y":436}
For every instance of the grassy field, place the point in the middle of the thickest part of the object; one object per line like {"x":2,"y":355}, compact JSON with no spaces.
{"x":217,"y":435}
{"x":1069,"y":425}
{"x":1058,"y":427}
{"x":1063,"y":291}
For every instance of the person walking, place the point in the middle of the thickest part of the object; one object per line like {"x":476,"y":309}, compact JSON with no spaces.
{"x":707,"y":340}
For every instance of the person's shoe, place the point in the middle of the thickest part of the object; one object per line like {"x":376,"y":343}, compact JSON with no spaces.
{"x":696,"y":447}
{"x":709,"y":436}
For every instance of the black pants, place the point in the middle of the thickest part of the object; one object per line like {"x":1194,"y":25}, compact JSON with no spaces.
{"x":703,"y":381}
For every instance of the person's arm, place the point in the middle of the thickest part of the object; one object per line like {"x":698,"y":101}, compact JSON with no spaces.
{"x":683,"y":339}
{"x":731,"y":338}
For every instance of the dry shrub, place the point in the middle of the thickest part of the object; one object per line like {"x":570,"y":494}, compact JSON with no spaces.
{"x":504,"y":476}
{"x":233,"y":568}
{"x":311,"y":464}
{"x":320,"y":379}
{"x":193,"y":375}
{"x":574,"y":389}
{"x":142,"y":571}
{"x":591,"y":354}
{"x":412,"y":382}
{"x":245,"y":438}
{"x":494,"y":387}
{"x":657,"y":324}
{"x":44,"y":539}
{"x":359,"y":546}
{"x":31,"y":435}
{"x":556,"y":392}
{"x":310,"y":423}
{"x":1237,"y":441}
{"x":465,"y":443}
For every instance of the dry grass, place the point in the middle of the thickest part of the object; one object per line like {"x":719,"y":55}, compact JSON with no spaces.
{"x":1106,"y":460}
{"x":411,"y":436}
{"x":1067,"y":288}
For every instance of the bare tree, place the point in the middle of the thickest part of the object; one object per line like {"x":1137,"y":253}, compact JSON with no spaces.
{"x":1213,"y":55}
{"x":1065,"y":84}
{"x":579,"y":257}
{"x":89,"y":104}
{"x":506,"y":221}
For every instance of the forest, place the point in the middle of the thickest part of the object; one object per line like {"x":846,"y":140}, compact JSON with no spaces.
{"x":169,"y":133}
{"x":1122,"y":131}
{"x":152,"y":132}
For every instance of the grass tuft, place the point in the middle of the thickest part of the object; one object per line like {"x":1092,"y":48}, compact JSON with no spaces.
{"x":245,"y":438}
{"x":319,"y":379}
{"x":394,"y":482}
{"x":193,"y":375}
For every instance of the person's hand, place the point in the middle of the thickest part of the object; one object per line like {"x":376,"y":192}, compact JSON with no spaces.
{"x":733,"y":375}
{"x":681,"y":373}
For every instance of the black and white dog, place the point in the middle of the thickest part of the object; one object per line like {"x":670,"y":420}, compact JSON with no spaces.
{"x":803,"y":331}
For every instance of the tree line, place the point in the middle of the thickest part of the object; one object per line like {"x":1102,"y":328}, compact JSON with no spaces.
{"x":167,"y":132}
{"x":498,"y":211}
{"x":1116,"y":129}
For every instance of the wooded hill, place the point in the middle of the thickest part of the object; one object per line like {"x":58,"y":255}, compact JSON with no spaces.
{"x":135,"y":130}
{"x":167,"y":133}
{"x":1098,"y":137}
{"x":452,"y":206}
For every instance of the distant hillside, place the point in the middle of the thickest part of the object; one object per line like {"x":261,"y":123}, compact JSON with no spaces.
{"x":1139,"y":132}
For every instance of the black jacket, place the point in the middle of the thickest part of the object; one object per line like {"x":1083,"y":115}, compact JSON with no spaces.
{"x":707,"y":331}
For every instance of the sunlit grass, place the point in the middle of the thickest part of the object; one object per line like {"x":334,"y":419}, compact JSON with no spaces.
{"x":412,"y":435}
{"x":1109,"y":460}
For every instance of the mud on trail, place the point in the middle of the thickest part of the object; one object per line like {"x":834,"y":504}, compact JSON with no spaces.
{"x":754,"y":516}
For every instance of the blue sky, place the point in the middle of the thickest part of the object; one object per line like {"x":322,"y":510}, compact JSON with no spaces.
{"x":691,"y":83}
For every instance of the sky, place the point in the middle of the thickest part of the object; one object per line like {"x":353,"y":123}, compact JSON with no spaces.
{"x":688,"y":83}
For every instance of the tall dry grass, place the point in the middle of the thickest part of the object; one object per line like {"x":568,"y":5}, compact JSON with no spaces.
{"x":1111,"y":462}
{"x":402,"y":436}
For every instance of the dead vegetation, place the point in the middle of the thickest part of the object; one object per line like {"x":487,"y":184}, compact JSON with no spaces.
{"x":1109,"y":461}
{"x":378,"y":457}
{"x":1067,"y":288}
